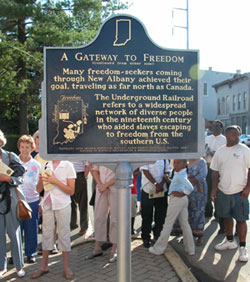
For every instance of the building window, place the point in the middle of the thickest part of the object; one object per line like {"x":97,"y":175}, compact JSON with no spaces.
{"x":244,"y":100}
{"x":239,"y":101}
{"x":218,"y":107}
{"x":205,"y":89}
{"x":223,"y":106}
{"x":227,"y":105}
{"x":234,"y":102}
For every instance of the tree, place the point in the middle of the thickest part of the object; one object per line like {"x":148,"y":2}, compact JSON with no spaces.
{"x":26,"y":27}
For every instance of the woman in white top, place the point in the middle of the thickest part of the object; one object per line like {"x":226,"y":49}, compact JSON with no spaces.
{"x":25,"y":146}
{"x":58,"y":182}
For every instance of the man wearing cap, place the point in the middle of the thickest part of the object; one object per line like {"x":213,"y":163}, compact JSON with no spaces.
{"x":231,"y":187}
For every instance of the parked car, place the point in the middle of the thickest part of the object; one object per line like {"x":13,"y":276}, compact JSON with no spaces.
{"x":208,"y":132}
{"x":245,"y":139}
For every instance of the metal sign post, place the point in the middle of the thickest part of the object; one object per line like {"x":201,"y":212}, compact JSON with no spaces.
{"x":124,"y":176}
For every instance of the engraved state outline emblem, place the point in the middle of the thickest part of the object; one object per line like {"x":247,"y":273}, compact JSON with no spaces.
{"x":122,"y":32}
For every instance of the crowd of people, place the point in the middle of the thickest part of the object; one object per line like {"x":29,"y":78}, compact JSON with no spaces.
{"x":173,"y":196}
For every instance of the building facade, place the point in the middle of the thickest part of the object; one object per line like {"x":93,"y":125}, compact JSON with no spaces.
{"x":207,"y":78}
{"x":232,"y":105}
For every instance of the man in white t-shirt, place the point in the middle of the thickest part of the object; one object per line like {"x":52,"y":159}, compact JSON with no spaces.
{"x":231,"y":187}
{"x":212,"y":144}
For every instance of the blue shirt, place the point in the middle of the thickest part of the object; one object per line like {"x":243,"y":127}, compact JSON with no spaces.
{"x":180,"y":183}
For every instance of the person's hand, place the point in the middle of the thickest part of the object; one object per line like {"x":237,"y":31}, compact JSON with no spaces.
{"x":101,"y":187}
{"x":214,"y":194}
{"x":245,"y":192}
{"x":5,"y":178}
{"x":192,"y":180}
{"x":49,"y":178}
{"x":166,"y":176}
{"x":158,"y":188}
{"x":105,"y":192}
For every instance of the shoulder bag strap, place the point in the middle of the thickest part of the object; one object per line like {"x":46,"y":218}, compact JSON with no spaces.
{"x":17,"y":192}
{"x":9,"y":157}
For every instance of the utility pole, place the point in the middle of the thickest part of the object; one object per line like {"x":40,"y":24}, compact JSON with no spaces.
{"x":187,"y":21}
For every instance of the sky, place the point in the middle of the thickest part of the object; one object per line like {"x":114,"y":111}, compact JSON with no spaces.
{"x":219,"y":29}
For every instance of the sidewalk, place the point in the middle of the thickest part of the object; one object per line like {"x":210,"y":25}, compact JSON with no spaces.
{"x":218,"y":265}
{"x":145,"y":266}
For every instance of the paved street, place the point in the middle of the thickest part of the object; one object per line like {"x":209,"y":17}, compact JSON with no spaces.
{"x":145,"y":266}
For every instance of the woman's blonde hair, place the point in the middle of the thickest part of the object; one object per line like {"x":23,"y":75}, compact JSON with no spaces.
{"x":2,"y":138}
{"x":36,"y":135}
{"x":26,"y":139}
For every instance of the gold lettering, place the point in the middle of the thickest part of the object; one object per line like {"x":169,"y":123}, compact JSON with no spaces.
{"x":64,"y":57}
{"x":162,"y":59}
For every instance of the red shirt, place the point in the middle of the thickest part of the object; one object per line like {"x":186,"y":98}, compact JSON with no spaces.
{"x":134,"y":188}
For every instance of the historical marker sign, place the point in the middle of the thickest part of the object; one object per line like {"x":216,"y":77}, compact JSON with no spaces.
{"x":121,"y":96}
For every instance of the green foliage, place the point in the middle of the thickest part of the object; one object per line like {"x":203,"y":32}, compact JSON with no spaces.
{"x":26,"y":27}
